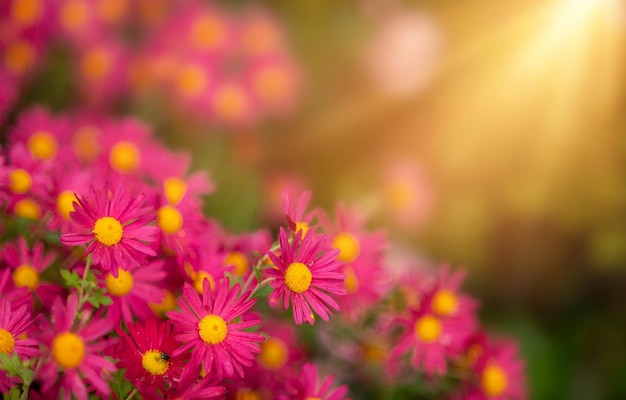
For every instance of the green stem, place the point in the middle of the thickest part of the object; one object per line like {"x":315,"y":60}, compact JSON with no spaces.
{"x":263,"y":283}
{"x":30,"y":380}
{"x":131,"y":394}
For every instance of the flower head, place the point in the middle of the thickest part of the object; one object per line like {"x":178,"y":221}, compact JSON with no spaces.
{"x":310,"y":385}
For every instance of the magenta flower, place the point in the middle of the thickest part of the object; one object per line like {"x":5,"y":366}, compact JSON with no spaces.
{"x":212,"y":327}
{"x":15,"y":326}
{"x":309,"y":385}
{"x":117,"y":229}
{"x":294,"y":208}
{"x":305,"y":278}
{"x":191,"y":387}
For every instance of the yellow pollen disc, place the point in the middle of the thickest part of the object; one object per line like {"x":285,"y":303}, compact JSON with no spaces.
{"x":21,"y":182}
{"x":108,"y":231}
{"x":473,"y":353}
{"x":298,"y":277}
{"x":169,"y":219}
{"x":428,"y":329}
{"x":239,"y":261}
{"x":191,"y":80}
{"x":122,"y":285}
{"x":168,"y":304}
{"x":348,"y":246}
{"x":27,"y":208}
{"x":212,"y":329}
{"x":274,"y":354}
{"x":85,"y":143}
{"x":400,"y":194}
{"x":7,"y":341}
{"x":230,"y":102}
{"x":302,"y":226}
{"x":26,"y":276}
{"x":124,"y":157}
{"x":112,"y":10}
{"x":96,"y":64}
{"x":198,"y":281}
{"x":271,"y":84}
{"x":175,"y":189}
{"x":153,"y":363}
{"x":68,"y":350}
{"x":74,"y":15}
{"x":494,"y":381}
{"x":19,"y":56}
{"x":312,"y":398}
{"x":42,"y":145}
{"x":351,"y":283}
{"x":247,"y":394}
{"x":444,"y":303}
{"x":25,"y":12}
{"x":207,"y":32}
{"x":65,"y":203}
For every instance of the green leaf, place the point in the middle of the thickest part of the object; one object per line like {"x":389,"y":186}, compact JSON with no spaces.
{"x":14,"y":394}
{"x":264,"y":291}
{"x":120,"y":385}
{"x":71,"y":278}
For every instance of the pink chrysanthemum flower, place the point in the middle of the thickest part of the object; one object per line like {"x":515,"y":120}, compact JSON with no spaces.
{"x":445,"y":300}
{"x":280,"y":347}
{"x":305,"y":278}
{"x":117,"y":229}
{"x":26,"y":175}
{"x":41,"y":132}
{"x":74,"y":352}
{"x":243,"y":251}
{"x":18,"y":296}
{"x":16,"y":325}
{"x":132,"y":291}
{"x":191,"y":387}
{"x":310,"y":385}
{"x":101,"y":70}
{"x":294,"y":208}
{"x":146,"y":354}
{"x":212,"y":327}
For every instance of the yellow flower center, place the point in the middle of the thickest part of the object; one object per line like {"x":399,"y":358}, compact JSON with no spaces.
{"x":19,"y":56}
{"x":271,"y":83}
{"x":348,"y":246}
{"x":42,"y":145}
{"x":122,"y":285}
{"x":207,"y":32}
{"x":312,"y":398}
{"x":112,"y":10}
{"x":274,"y":354}
{"x":175,"y":189}
{"x":239,"y":261}
{"x":153,"y":363}
{"x":198,"y":279}
{"x":169,"y":219}
{"x":124,"y":157}
{"x":96,"y":64}
{"x":21,"y":182}
{"x":302,"y":226}
{"x":65,"y":203}
{"x":494,"y":381}
{"x":68,"y":350}
{"x":400,"y":194}
{"x":298,"y":277}
{"x":25,"y":12}
{"x":351,"y":283}
{"x":74,"y":15}
{"x":230,"y":102}
{"x":26,"y":276}
{"x":27,"y":208}
{"x":444,"y":303}
{"x":428,"y":329}
{"x":247,"y":394}
{"x":108,"y":231}
{"x":212,"y":329}
{"x":191,"y":80}
{"x":168,"y":304}
{"x":7,"y":342}
{"x":85,"y":143}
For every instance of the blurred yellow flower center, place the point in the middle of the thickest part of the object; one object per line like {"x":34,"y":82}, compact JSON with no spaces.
{"x":153,"y":363}
{"x":302,"y":226}
{"x":124,"y":157}
{"x":374,"y":352}
{"x":351,"y":283}
{"x":191,"y":80}
{"x":18,"y":56}
{"x":112,"y":10}
{"x":400,"y":194}
{"x":168,"y":304}
{"x":494,"y":381}
{"x":65,"y":203}
{"x":298,"y":277}
{"x":26,"y":276}
{"x":27,"y":208}
{"x":122,"y":285}
{"x":96,"y":64}
{"x":198,"y":281}
{"x":42,"y":145}
{"x":312,"y":398}
{"x":348,"y":246}
{"x":7,"y":342}
{"x":207,"y":32}
{"x":25,"y":12}
{"x":428,"y":329}
{"x":247,"y":394}
{"x":169,"y":219}
{"x":21,"y":182}
{"x":271,"y":84}
{"x":260,"y":37}
{"x":212,"y":329}
{"x":274,"y":354}
{"x":68,"y":350}
{"x":85,"y":143}
{"x":175,"y":189}
{"x":108,"y":231}
{"x":74,"y":15}
{"x":239,"y":261}
{"x":444,"y":303}
{"x":229,"y":102}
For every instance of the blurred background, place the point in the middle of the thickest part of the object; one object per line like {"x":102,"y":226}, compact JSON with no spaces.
{"x":485,"y":133}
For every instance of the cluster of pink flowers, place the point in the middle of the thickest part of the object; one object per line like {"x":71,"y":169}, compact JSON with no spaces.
{"x":110,"y":274}
{"x":228,"y":67}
